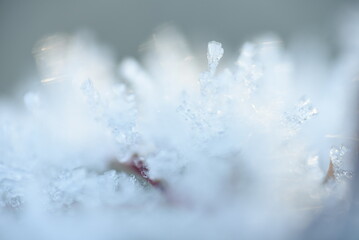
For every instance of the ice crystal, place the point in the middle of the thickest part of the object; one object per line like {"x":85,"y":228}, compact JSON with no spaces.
{"x":250,"y":69}
{"x":303,"y":111}
{"x":120,"y":105}
{"x":336,"y":155}
{"x":92,"y":95}
{"x":214,"y":54}
{"x":166,"y":145}
{"x":11,"y":187}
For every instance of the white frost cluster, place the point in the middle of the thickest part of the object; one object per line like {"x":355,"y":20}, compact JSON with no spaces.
{"x":158,"y":150}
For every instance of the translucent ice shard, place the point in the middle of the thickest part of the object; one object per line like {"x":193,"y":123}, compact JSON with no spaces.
{"x":93,"y":97}
{"x":336,"y":155}
{"x":117,"y":112}
{"x":249,"y":67}
{"x":302,"y":112}
{"x":305,"y":109}
{"x":214,"y":54}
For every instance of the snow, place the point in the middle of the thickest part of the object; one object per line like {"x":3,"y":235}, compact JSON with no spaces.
{"x":159,"y":150}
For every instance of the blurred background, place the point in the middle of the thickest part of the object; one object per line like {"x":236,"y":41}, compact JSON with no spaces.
{"x":124,"y":24}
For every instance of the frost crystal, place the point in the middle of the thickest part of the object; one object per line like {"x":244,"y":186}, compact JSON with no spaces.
{"x":120,"y":105}
{"x":214,"y":54}
{"x":165,"y":147}
{"x":336,"y":155}
{"x":302,"y":112}
{"x":250,"y":69}
{"x":92,"y":95}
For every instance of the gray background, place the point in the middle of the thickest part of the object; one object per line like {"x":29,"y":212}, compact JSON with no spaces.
{"x":125,"y":24}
